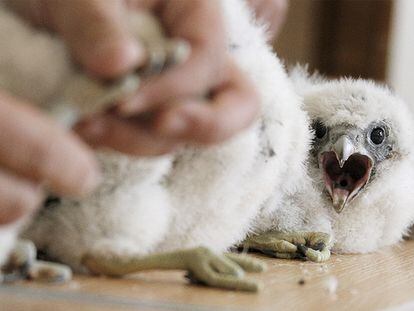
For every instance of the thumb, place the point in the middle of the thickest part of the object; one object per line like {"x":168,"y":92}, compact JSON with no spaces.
{"x":97,"y":34}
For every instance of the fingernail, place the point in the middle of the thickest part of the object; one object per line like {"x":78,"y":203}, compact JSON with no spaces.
{"x":130,"y":106}
{"x":93,"y":129}
{"x":174,"y":126}
{"x":113,"y":58}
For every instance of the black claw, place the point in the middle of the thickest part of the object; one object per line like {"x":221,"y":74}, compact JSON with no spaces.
{"x":192,"y":279}
{"x":302,"y":249}
{"x":301,"y":257}
{"x":268,"y":252}
{"x":319,"y":246}
{"x":51,"y":201}
{"x":242,"y":249}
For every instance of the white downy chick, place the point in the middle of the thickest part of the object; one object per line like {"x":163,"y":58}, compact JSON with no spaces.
{"x":360,"y":166}
{"x":198,"y":197}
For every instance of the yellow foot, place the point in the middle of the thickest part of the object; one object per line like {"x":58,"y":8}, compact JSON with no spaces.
{"x":314,"y":246}
{"x":203,"y":266}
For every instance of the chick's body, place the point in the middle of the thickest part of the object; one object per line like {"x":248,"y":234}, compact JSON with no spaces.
{"x":198,"y":197}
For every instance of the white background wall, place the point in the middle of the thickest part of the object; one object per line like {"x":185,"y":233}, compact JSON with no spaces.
{"x":400,"y":73}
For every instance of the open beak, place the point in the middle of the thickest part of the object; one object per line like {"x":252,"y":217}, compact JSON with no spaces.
{"x":345,"y":172}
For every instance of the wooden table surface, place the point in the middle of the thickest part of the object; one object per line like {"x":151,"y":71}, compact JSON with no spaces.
{"x":364,"y":282}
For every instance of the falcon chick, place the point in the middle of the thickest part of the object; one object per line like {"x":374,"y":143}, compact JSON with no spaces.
{"x":178,"y":211}
{"x":362,"y":157}
{"x":360,"y":170}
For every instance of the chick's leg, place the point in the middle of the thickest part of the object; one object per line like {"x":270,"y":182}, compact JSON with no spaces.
{"x":203,"y":266}
{"x":291,"y":245}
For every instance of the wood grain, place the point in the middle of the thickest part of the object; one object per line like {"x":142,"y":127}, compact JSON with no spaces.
{"x":365,"y":282}
{"x":354,"y":38}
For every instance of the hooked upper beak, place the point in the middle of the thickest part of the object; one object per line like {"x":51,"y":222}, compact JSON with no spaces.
{"x":346,"y":171}
{"x":343,"y":149}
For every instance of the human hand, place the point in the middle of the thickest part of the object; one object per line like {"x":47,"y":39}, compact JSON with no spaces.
{"x":36,"y":153}
{"x":99,"y":39}
{"x":272,"y":12}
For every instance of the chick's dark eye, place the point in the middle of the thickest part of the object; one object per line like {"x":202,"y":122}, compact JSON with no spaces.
{"x":320,"y":129}
{"x":377,"y":135}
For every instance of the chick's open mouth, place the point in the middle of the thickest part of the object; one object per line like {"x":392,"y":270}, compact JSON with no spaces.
{"x":344,"y":183}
